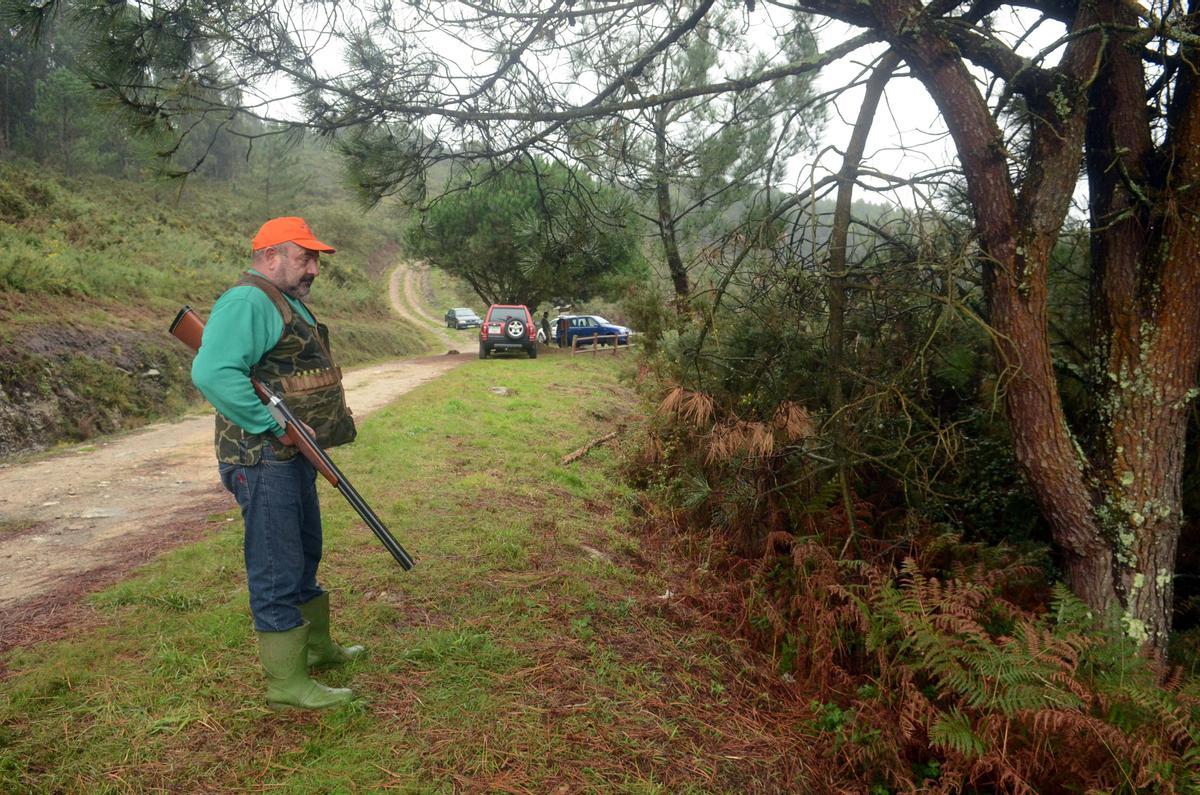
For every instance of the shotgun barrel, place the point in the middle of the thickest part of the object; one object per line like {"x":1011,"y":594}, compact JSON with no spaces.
{"x":188,"y":328}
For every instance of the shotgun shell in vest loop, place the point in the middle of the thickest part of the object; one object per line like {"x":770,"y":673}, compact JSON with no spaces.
{"x":308,"y":380}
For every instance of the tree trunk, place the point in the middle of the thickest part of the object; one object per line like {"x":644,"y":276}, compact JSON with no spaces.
{"x":838,"y":240}
{"x":666,"y":218}
{"x":1115,"y":511}
{"x":1145,"y":289}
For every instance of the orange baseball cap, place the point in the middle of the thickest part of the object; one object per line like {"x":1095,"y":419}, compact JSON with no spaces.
{"x":285,"y":230}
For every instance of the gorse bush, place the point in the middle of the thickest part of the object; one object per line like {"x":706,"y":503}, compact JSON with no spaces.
{"x":906,"y":407}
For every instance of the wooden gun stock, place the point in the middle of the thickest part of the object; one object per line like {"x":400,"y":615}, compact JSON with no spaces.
{"x":188,"y":328}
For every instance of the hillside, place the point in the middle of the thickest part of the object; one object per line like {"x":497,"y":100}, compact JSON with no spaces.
{"x":93,"y":269}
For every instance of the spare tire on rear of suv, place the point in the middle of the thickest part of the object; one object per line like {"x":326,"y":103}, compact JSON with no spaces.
{"x":514,"y":329}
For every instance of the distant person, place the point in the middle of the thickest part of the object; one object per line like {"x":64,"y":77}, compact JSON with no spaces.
{"x":546,"y":327}
{"x":261,"y":328}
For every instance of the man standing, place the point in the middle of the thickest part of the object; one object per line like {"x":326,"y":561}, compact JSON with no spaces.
{"x":261,"y":328}
{"x":546,"y":328}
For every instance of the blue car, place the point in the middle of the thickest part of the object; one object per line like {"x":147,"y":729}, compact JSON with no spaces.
{"x":584,"y":327}
{"x":461,"y":317}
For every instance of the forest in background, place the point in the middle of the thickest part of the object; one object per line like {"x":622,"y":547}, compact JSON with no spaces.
{"x":832,"y":436}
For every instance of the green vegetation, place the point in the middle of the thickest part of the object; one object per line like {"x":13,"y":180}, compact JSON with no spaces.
{"x":921,"y":654}
{"x":869,"y":459}
{"x":864,"y":518}
{"x":155,"y":244}
{"x":527,"y":236}
{"x":93,"y":269}
{"x":447,"y":292}
{"x":526,"y":651}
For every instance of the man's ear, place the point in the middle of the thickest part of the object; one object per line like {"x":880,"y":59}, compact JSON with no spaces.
{"x":270,"y":257}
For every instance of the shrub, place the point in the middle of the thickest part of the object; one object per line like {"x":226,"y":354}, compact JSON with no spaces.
{"x":22,"y":193}
{"x":934,"y":665}
{"x":927,"y":663}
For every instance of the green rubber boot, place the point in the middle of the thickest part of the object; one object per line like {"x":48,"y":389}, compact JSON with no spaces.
{"x":288,"y":685}
{"x":322,"y":651}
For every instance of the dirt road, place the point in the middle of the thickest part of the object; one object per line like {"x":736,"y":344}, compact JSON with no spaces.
{"x":404,"y":290}
{"x":93,"y":512}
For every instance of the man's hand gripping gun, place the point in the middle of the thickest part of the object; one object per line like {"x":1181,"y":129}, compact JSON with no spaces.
{"x":188,"y":328}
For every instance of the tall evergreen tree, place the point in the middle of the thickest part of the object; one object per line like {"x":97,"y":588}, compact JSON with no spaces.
{"x":528,"y":235}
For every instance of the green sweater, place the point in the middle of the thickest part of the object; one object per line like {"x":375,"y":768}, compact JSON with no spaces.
{"x":243,"y":326}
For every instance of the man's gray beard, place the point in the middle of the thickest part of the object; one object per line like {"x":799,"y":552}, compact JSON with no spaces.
{"x":301,"y":290}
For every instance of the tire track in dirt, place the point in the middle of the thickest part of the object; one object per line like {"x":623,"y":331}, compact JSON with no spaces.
{"x":92,"y":513}
{"x":405,"y":296}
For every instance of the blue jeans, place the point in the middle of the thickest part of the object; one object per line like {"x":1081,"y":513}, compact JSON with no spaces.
{"x":283,"y":536}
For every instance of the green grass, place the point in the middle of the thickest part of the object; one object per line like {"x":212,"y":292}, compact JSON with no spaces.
{"x":511,"y":658}
{"x":449,"y":291}
{"x":127,"y":254}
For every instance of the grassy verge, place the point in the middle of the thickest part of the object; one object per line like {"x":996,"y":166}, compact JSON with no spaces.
{"x":531,"y":650}
{"x":446,"y":291}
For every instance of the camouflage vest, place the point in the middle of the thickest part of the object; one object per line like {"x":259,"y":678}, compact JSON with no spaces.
{"x":300,"y":369}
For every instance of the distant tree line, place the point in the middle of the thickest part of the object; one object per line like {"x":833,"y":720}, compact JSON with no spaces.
{"x":51,"y":113}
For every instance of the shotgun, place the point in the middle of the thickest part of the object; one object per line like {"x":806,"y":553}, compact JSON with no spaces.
{"x":188,"y":328}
